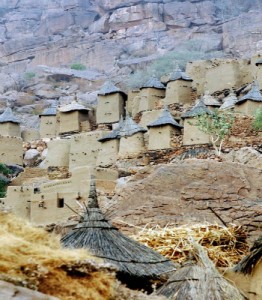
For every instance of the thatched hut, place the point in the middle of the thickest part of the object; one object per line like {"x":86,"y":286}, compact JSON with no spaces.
{"x":162,"y":130}
{"x":249,"y":103}
{"x":198,"y":281}
{"x":111,"y":103}
{"x":48,"y":122}
{"x":247,"y":274}
{"x":136,"y":263}
{"x":151,"y":94}
{"x":179,"y":88}
{"x":9,"y":124}
{"x":192,"y":135}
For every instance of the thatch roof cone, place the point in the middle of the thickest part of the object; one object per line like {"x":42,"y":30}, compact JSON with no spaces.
{"x":50,"y":111}
{"x":114,"y":134}
{"x":103,"y":240}
{"x":8,"y":116}
{"x":199,"y":281}
{"x":179,"y":75}
{"x":198,"y":109}
{"x":165,"y":119}
{"x":253,"y":95}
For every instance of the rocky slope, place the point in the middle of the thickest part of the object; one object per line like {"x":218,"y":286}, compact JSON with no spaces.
{"x":113,"y":36}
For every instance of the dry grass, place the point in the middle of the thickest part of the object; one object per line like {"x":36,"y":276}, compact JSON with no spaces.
{"x":225,"y":246}
{"x":31,"y":257}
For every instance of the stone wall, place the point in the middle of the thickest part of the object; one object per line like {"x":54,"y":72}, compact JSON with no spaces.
{"x":11,"y":150}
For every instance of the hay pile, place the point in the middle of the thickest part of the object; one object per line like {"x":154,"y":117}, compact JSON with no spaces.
{"x":225,"y":246}
{"x":30,"y":257}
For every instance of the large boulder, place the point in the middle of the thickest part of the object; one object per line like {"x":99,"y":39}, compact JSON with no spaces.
{"x":191,"y":191}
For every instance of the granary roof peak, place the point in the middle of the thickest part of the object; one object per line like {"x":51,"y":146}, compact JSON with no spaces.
{"x":179,"y":75}
{"x":165,"y":119}
{"x":198,"y":109}
{"x":253,"y":95}
{"x":210,"y":100}
{"x":109,"y":88}
{"x":114,"y":134}
{"x":8,"y":116}
{"x":50,"y":111}
{"x":229,"y":101}
{"x":153,"y":83}
{"x":130,"y":127}
{"x":92,"y":199}
{"x":73,"y":106}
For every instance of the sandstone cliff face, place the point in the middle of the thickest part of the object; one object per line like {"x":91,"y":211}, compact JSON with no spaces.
{"x":192,"y":191}
{"x":110,"y":35}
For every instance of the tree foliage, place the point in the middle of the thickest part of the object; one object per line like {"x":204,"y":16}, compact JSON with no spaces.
{"x":217,"y":126}
{"x":3,"y":180}
{"x":257,"y":123}
{"x":78,"y":67}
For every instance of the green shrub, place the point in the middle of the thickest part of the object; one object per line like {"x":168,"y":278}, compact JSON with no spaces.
{"x":78,"y":67}
{"x":29,"y":75}
{"x":257,"y":123}
{"x":4,"y":170}
{"x":3,"y":180}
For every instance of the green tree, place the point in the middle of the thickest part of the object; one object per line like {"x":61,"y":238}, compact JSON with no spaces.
{"x":3,"y":180}
{"x":217,"y":126}
{"x":257,"y":123}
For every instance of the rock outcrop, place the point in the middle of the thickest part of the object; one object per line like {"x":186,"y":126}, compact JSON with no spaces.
{"x":108,"y":34}
{"x":192,"y":191}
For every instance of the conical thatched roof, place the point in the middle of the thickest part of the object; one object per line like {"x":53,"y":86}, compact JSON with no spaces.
{"x":179,"y":75}
{"x":153,"y":83}
{"x":130,"y":127}
{"x":229,"y":101}
{"x":210,"y":100}
{"x":253,"y":95}
{"x":198,"y":109}
{"x":73,"y":106}
{"x":165,"y":119}
{"x":109,"y":88}
{"x":114,"y":134}
{"x":103,"y":240}
{"x":199,"y":281}
{"x":50,"y":111}
{"x":8,"y":116}
{"x":247,"y":264}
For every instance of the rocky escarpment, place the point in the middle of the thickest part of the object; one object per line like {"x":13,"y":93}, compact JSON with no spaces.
{"x":114,"y":36}
{"x":194,"y":191}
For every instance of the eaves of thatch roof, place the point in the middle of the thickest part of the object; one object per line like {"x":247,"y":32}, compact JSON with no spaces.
{"x":109,"y":88}
{"x":103,"y":240}
{"x":130,"y":127}
{"x":253,"y":95}
{"x":247,"y":264}
{"x":199,"y":109}
{"x":229,"y":101}
{"x":179,"y":75}
{"x":153,"y":83}
{"x":165,"y":119}
{"x":8,"y":116}
{"x":50,"y":111}
{"x":73,"y":106}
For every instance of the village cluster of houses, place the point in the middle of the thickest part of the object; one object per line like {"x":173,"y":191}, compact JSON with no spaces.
{"x":123,"y":126}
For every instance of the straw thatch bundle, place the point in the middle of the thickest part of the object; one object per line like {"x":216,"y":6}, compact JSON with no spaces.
{"x":32,"y":258}
{"x":131,"y":258}
{"x":225,"y":246}
{"x":247,"y":264}
{"x":199,"y":281}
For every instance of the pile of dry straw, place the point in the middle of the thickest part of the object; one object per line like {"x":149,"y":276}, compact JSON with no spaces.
{"x":225,"y":246}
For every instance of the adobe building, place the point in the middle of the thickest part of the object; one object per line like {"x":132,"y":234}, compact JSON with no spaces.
{"x":131,"y":139}
{"x":151,"y":93}
{"x":149,"y":117}
{"x":111,"y":103}
{"x":162,"y":130}
{"x":192,"y":135}
{"x":29,"y":135}
{"x":73,"y":118}
{"x":179,"y":88}
{"x":131,"y":95}
{"x":210,"y":101}
{"x":249,"y":103}
{"x":9,"y":124}
{"x":229,"y":102}
{"x":109,"y":147}
{"x":11,"y":150}
{"x":48,"y":123}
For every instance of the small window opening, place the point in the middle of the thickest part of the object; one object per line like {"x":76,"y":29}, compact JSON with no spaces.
{"x":60,"y":202}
